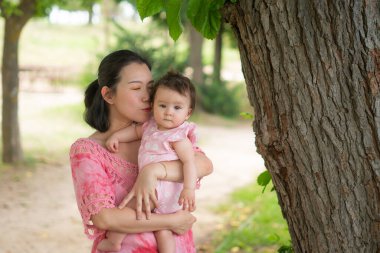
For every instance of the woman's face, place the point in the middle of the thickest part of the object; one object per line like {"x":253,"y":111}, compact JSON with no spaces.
{"x":131,"y":100}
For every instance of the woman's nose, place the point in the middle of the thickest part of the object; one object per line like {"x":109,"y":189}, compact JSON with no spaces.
{"x":145,"y":97}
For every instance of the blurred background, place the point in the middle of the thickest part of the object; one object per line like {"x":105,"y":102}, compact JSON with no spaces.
{"x":58,"y":55}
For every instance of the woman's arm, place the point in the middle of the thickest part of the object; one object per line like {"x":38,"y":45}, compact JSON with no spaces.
{"x":124,"y":221}
{"x":175,"y":172}
{"x":144,"y":187}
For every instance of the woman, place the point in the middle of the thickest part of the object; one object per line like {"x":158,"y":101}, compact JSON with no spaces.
{"x":117,"y":99}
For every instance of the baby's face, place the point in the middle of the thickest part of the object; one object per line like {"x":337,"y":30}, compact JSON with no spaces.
{"x":170,"y":109}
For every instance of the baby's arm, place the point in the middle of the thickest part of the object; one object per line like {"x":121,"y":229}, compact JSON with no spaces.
{"x":185,"y":152}
{"x":128,"y":134}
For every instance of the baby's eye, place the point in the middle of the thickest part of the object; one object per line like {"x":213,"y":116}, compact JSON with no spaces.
{"x":177,"y":107}
{"x":162,"y":106}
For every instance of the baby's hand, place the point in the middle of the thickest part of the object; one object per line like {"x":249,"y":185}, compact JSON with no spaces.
{"x":187,"y":199}
{"x":112,"y":144}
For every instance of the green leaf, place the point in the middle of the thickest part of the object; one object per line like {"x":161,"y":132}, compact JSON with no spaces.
{"x":205,"y":16}
{"x":264,"y":179}
{"x":274,"y":238}
{"x":147,"y":8}
{"x":173,"y":17}
{"x":285,"y":249}
{"x":246,"y":115}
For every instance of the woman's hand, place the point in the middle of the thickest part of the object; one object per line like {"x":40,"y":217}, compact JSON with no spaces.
{"x":144,"y":190}
{"x":185,"y":221}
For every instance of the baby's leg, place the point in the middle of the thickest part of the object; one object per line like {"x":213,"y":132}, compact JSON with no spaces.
{"x":112,"y":242}
{"x":165,"y":241}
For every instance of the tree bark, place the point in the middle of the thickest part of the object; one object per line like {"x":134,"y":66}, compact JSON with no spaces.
{"x":312,"y":69}
{"x":13,"y":25}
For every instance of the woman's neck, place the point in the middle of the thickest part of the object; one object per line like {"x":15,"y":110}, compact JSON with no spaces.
{"x":114,"y":127}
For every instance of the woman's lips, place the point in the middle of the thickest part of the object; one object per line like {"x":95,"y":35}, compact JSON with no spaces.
{"x":147,"y":109}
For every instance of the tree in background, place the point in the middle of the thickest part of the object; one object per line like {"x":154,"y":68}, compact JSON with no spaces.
{"x":15,"y":17}
{"x":86,"y":5}
{"x":217,"y":64}
{"x":312,"y":70}
{"x":195,"y":55}
{"x":16,"y":14}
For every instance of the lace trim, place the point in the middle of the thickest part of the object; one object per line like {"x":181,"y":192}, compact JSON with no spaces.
{"x":91,"y":205}
{"x":121,"y":170}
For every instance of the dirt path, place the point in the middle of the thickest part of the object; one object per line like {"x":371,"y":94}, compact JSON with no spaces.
{"x":38,"y":212}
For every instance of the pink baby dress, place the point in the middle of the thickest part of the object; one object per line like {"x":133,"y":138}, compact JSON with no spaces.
{"x":155,"y":147}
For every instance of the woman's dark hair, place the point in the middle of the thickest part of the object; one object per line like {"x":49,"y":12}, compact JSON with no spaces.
{"x":177,"y":82}
{"x":97,"y":112}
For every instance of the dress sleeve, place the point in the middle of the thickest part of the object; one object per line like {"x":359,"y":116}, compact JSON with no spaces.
{"x":187,"y":131}
{"x":92,"y":184}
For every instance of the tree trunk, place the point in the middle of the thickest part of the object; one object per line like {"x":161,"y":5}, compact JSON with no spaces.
{"x":90,"y":14}
{"x":13,"y":25}
{"x":312,"y":69}
{"x":195,"y":58}
{"x":218,"y":55}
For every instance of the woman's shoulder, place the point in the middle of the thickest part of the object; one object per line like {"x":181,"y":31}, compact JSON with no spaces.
{"x":84,"y":145}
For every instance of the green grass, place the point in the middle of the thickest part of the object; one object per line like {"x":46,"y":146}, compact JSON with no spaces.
{"x":254,"y":223}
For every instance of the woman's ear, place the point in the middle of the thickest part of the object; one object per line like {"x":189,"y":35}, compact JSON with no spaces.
{"x":107,"y":94}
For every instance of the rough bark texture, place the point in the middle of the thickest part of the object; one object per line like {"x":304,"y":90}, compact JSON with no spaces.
{"x":312,"y":69}
{"x":13,"y":25}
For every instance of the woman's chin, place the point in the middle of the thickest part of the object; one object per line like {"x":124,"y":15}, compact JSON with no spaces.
{"x":142,"y":119}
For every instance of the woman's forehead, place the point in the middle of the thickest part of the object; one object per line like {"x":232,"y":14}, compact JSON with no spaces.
{"x":136,"y":71}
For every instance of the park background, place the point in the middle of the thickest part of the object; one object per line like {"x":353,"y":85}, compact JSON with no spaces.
{"x":58,"y":56}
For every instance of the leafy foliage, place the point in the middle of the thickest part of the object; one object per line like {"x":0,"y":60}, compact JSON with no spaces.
{"x":174,"y":17}
{"x":264,"y":179}
{"x":285,"y":249}
{"x":157,"y":50}
{"x":204,"y":15}
{"x":77,"y":5}
{"x":9,"y":8}
{"x":246,"y":115}
{"x":218,"y":98}
{"x":147,"y":8}
{"x":42,"y":7}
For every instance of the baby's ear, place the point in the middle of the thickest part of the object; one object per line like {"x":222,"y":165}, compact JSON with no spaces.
{"x":189,"y":113}
{"x":107,"y":94}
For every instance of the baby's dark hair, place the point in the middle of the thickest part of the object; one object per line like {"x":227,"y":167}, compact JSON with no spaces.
{"x":177,"y":82}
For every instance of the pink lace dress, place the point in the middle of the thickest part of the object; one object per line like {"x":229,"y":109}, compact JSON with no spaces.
{"x":156,"y":147}
{"x":101,"y":180}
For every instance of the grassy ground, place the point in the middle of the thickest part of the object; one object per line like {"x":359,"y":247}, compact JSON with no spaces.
{"x":253,"y":223}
